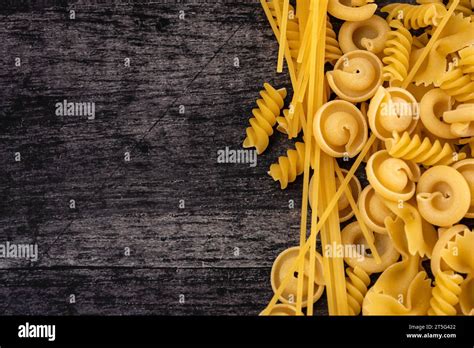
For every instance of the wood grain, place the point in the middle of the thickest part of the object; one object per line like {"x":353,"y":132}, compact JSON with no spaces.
{"x":175,"y":62}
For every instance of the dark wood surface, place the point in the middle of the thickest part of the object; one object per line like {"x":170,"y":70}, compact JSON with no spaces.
{"x":174,"y":251}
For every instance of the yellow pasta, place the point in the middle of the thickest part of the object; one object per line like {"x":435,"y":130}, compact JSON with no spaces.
{"x":264,"y":118}
{"x":392,"y":110}
{"x":353,"y":238}
{"x":392,"y":178}
{"x":345,"y":210}
{"x":280,"y":268}
{"x":464,"y":7}
{"x":420,"y":174}
{"x":403,"y":288}
{"x":333,"y":51}
{"x":432,"y":107}
{"x":369,"y":34}
{"x":397,"y":53}
{"x":466,"y":168}
{"x":348,"y":13}
{"x":421,"y":150}
{"x":289,"y":167}
{"x":415,"y":16}
{"x":445,"y":295}
{"x":466,"y":61}
{"x":373,"y":210}
{"x":458,"y":85}
{"x":461,"y":120}
{"x":420,"y":235}
{"x":357,"y":282}
{"x":443,"y":196}
{"x":340,"y":129}
{"x":356,"y":76}
{"x":284,"y":310}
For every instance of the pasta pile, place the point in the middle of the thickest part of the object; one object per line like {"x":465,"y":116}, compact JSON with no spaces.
{"x":396,"y":91}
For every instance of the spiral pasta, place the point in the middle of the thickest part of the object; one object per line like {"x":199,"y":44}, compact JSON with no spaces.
{"x":397,"y":53}
{"x":392,"y":109}
{"x":449,"y":255}
{"x":445,"y":295}
{"x":348,"y":13}
{"x":421,"y":150}
{"x":392,"y":178}
{"x":333,"y":51}
{"x":369,"y":35}
{"x":357,"y":282}
{"x":373,"y":210}
{"x":466,"y":61}
{"x":457,"y":84}
{"x":415,"y":16}
{"x":290,"y":166}
{"x":340,"y":129}
{"x":292,"y":30}
{"x":289,"y":125}
{"x":264,"y":118}
{"x":443,"y":196}
{"x":356,"y":76}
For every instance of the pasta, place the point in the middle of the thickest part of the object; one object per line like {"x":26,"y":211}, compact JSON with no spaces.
{"x":421,"y":151}
{"x":443,"y":196}
{"x":356,"y":76}
{"x":333,"y":51}
{"x":264,"y":118}
{"x":289,"y":167}
{"x":392,"y":110}
{"x":461,"y":120}
{"x":449,"y":257}
{"x":466,"y":168}
{"x":357,"y":282}
{"x":284,"y":310}
{"x":373,"y":210}
{"x":432,"y":107}
{"x":403,"y":288}
{"x":458,"y":85}
{"x":420,"y":174}
{"x":345,"y":210}
{"x":445,"y":293}
{"x":340,"y":129}
{"x":279,"y":269}
{"x":397,"y":53}
{"x":420,"y":235}
{"x":392,"y":178}
{"x":464,"y":7}
{"x":466,"y":61}
{"x":348,"y":13}
{"x":352,"y":236}
{"x":416,"y":16}
{"x":369,"y":34}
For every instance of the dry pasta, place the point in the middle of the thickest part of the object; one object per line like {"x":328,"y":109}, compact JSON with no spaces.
{"x":369,"y":35}
{"x":403,"y":102}
{"x":264,"y":118}
{"x":356,"y":76}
